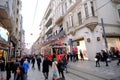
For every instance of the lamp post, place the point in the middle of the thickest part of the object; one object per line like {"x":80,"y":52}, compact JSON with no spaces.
{"x":104,"y":35}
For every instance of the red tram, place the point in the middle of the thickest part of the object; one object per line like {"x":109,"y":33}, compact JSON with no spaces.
{"x":58,"y":49}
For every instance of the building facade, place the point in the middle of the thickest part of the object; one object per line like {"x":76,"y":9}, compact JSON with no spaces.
{"x":79,"y":23}
{"x":10,"y":20}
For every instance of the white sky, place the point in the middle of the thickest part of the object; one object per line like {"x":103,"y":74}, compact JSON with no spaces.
{"x":30,"y":26}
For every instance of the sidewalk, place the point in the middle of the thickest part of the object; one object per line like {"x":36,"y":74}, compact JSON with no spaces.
{"x":112,"y":72}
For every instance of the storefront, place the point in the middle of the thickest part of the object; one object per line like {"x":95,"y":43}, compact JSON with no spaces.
{"x":80,"y":45}
{"x":113,"y":43}
{"x":4,"y":45}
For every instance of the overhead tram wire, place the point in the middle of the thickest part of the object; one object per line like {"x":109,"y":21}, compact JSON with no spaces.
{"x":35,"y":13}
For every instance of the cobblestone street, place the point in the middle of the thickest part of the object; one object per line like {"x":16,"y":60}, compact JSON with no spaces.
{"x":81,"y":70}
{"x":112,"y":72}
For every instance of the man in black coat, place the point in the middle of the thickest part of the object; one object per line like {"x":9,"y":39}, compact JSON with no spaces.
{"x":8,"y":70}
{"x":2,"y":67}
{"x":105,"y":56}
{"x":45,"y":67}
{"x":14,"y":66}
{"x":33,"y":62}
{"x":39,"y":62}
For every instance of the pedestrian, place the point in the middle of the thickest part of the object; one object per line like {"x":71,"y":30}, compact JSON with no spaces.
{"x":1,"y":70}
{"x":2,"y":63}
{"x":45,"y":67}
{"x":14,"y":66}
{"x":26,"y":68}
{"x":22,"y":60}
{"x":39,"y":62}
{"x":81,"y":55}
{"x":71,"y":56}
{"x":55,"y":70}
{"x":98,"y":57}
{"x":33,"y":62}
{"x":19,"y":73}
{"x":64,"y":59}
{"x":61,"y":67}
{"x":68,"y":56}
{"x":8,"y":70}
{"x":117,"y":53}
{"x":105,"y":56}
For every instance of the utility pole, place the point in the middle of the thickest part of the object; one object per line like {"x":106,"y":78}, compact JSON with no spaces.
{"x":104,"y":35}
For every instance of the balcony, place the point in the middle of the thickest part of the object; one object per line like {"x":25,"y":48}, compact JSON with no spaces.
{"x":116,"y":1}
{"x":49,"y":29}
{"x":59,"y":19}
{"x":54,"y":37}
{"x":91,"y":22}
{"x":5,"y":16}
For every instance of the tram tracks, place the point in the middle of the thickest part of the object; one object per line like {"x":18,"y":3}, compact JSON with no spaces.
{"x":85,"y":75}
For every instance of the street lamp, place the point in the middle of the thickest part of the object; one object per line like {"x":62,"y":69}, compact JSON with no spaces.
{"x":104,"y":35}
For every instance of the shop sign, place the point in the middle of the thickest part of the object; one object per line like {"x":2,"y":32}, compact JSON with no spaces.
{"x":3,"y":46}
{"x":3,"y":34}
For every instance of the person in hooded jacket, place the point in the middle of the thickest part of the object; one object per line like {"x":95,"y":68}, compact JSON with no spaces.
{"x":26,"y":68}
{"x":45,"y":67}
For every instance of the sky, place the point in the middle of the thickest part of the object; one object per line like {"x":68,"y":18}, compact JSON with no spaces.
{"x":32,"y":17}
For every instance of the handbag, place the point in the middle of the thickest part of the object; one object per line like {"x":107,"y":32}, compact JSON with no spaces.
{"x":54,"y":73}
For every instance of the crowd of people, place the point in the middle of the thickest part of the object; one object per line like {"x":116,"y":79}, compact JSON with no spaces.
{"x":106,"y":57}
{"x":58,"y":67}
{"x":20,"y":65}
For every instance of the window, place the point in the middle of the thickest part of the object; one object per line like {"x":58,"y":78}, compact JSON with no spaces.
{"x":62,"y":9}
{"x":67,"y":25}
{"x":80,"y":18}
{"x":61,"y":28}
{"x":86,"y":10}
{"x":71,"y":21}
{"x":16,"y":20}
{"x":119,"y":12}
{"x":65,"y":7}
{"x":17,"y":2}
{"x":92,"y":8}
{"x":70,"y":1}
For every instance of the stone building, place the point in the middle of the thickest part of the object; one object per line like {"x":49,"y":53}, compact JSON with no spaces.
{"x":79,"y":22}
{"x":10,"y":20}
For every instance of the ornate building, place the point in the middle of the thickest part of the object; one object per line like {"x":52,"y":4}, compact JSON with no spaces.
{"x":10,"y":20}
{"x":79,"y":22}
